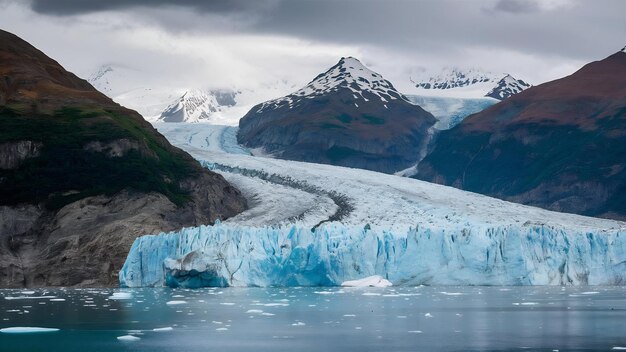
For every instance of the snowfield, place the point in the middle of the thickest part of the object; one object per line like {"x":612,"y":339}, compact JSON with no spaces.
{"x":312,"y":224}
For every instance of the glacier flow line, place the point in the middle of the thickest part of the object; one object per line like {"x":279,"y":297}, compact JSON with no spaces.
{"x":344,"y":205}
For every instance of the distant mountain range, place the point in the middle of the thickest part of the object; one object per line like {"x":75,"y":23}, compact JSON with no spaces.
{"x":159,"y":102}
{"x":455,"y":82}
{"x":348,"y":115}
{"x":560,"y":145}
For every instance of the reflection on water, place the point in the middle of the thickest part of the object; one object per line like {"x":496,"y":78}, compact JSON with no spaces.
{"x":316,"y":319}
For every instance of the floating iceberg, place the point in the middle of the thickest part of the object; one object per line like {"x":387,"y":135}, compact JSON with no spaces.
{"x":26,"y":330}
{"x":231,"y":255}
{"x":371,"y":281}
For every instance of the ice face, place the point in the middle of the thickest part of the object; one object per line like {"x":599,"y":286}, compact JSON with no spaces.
{"x":232,"y":255}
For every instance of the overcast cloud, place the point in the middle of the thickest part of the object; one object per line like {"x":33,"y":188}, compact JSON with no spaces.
{"x":249,"y":43}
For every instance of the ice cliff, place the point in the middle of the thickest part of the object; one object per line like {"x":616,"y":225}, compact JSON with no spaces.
{"x":232,"y":255}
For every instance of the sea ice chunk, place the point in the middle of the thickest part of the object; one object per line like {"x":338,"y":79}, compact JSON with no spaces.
{"x":26,"y":330}
{"x":370,"y":281}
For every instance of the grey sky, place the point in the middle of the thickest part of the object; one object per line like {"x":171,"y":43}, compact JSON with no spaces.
{"x":272,"y":39}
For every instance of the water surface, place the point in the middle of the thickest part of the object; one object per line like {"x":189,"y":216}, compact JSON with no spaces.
{"x":317,"y":319}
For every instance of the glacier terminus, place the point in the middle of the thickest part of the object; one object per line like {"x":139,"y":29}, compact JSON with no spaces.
{"x":331,"y":224}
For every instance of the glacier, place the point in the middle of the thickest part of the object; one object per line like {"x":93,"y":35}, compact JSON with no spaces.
{"x":234,"y":255}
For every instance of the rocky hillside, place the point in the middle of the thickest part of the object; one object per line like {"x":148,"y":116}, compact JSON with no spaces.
{"x":81,"y":177}
{"x":560,"y":145}
{"x":348,"y":116}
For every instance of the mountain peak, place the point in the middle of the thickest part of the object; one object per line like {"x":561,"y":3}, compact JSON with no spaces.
{"x":623,"y":49}
{"x":506,"y":87}
{"x":348,"y":74}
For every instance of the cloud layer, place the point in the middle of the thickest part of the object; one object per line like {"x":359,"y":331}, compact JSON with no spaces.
{"x":243,"y":42}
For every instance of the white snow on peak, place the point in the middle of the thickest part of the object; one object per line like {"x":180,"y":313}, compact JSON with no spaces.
{"x":197,"y":105}
{"x":455,"y":82}
{"x":623,"y":49}
{"x":506,"y":87}
{"x":348,"y":73}
{"x":453,"y":77}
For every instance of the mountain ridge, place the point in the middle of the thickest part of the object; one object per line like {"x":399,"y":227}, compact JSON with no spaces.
{"x":558,"y":145}
{"x":82,"y":176}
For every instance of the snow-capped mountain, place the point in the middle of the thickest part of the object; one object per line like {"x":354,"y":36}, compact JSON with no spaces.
{"x":349,"y":74}
{"x":198,"y":105}
{"x":465,"y":83}
{"x":506,"y":87}
{"x":348,"y":115}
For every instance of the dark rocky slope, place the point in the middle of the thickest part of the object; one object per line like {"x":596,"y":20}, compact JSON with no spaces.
{"x":347,"y":116}
{"x":81,"y":177}
{"x":560,"y":145}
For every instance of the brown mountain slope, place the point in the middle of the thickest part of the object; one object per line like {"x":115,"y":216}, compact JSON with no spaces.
{"x":81,"y":177}
{"x":560,"y":145}
{"x":347,"y":116}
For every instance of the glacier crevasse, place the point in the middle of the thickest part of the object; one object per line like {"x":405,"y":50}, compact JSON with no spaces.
{"x":232,"y":255}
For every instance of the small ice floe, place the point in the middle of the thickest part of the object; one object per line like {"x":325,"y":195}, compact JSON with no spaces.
{"x":28,"y":292}
{"x":167,"y":328}
{"x":221,"y":329}
{"x":121,"y":295}
{"x":590,"y":293}
{"x":254,"y":311}
{"x":128,"y":338}
{"x":26,"y":330}
{"x":349,"y":315}
{"x":451,"y":293}
{"x":275,"y":304}
{"x":415,"y":331}
{"x":370,"y":281}
{"x":175,"y":303}
{"x":299,"y":323}
{"x":227,"y":304}
{"x":178,"y":296}
{"x":618,"y":348}
{"x":428,"y":315}
{"x":371,"y":294}
{"x":268,"y":314}
{"x":10,"y":298}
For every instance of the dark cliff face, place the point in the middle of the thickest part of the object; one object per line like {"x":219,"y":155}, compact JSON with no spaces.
{"x":560,"y":145}
{"x":81,"y":177}
{"x":347,"y":116}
